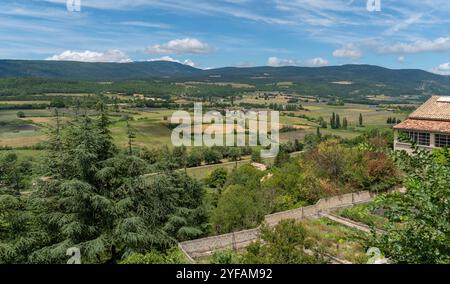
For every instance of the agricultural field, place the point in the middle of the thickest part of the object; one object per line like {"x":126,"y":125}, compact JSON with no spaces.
{"x":150,"y":125}
{"x":373,"y":117}
{"x":23,"y":102}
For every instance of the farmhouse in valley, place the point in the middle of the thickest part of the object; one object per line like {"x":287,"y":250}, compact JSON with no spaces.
{"x":428,"y":126}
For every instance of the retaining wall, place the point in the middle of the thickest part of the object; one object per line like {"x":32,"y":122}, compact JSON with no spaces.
{"x":238,"y":240}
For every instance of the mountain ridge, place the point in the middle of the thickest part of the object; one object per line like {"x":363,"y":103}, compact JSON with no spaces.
{"x":367,"y":79}
{"x":166,"y":69}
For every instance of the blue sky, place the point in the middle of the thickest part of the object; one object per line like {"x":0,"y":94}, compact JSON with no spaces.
{"x":217,"y":33}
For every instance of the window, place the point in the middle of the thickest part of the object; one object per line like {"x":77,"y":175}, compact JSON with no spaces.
{"x":442,"y":140}
{"x":420,"y":138}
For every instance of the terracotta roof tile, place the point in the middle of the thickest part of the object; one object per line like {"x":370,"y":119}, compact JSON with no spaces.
{"x":424,"y":125}
{"x":436,"y":108}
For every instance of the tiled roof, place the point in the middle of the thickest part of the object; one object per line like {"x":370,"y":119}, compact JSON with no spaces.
{"x":424,"y":125}
{"x":436,"y":108}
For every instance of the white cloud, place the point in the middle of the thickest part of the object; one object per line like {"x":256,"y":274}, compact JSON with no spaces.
{"x":170,"y":59}
{"x":348,"y":51}
{"x":92,"y":56}
{"x":401,"y":59}
{"x":316,"y":62}
{"x":443,"y":69}
{"x":278,"y":62}
{"x":313,"y":62}
{"x":439,"y":44}
{"x":180,"y":46}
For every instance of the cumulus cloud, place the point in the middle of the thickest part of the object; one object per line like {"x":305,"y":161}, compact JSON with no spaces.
{"x":439,"y":44}
{"x":92,"y":56}
{"x":313,"y":62}
{"x":316,"y":62}
{"x":170,"y":59}
{"x":443,"y":69}
{"x":348,"y":51}
{"x":278,"y":62}
{"x":180,"y":46}
{"x":401,"y":59}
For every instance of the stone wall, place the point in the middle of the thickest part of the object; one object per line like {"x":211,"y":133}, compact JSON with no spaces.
{"x":238,"y":240}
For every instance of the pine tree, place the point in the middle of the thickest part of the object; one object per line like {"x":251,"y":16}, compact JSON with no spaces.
{"x":106,"y":145}
{"x":360,"y":119}
{"x":107,"y":208}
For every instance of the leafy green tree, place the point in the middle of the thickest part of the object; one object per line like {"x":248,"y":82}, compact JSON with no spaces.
{"x":195,"y":158}
{"x":245,"y":175}
{"x":212,"y":156}
{"x":151,"y":155}
{"x":180,"y":156}
{"x":235,"y":154}
{"x":423,"y":237}
{"x":236,"y":210}
{"x":240,"y":204}
{"x":217,"y":178}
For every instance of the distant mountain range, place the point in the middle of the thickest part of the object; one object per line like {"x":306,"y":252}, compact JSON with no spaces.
{"x":365,"y":76}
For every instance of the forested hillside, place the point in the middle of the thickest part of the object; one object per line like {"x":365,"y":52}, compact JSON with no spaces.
{"x":346,"y":80}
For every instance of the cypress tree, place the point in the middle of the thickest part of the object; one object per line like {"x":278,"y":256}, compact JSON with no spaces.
{"x":344,"y":123}
{"x":333,"y":121}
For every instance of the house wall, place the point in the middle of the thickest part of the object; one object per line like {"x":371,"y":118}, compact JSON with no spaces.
{"x":402,"y":146}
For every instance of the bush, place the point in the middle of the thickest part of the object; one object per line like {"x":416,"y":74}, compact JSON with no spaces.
{"x":212,"y":156}
{"x":195,"y":158}
{"x":225,"y":257}
{"x":217,"y":178}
